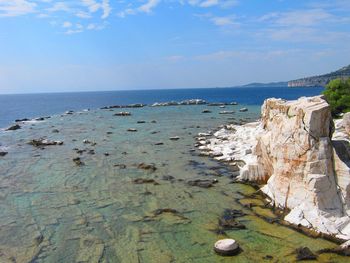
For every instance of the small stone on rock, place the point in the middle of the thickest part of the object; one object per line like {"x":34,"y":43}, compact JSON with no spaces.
{"x":226,"y":247}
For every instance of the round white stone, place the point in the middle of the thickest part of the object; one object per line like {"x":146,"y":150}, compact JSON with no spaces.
{"x":226,"y":246}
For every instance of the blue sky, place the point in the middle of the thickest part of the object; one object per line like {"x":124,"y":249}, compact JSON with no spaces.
{"x":75,"y":45}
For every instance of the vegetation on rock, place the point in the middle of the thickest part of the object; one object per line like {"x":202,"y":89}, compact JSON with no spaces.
{"x":337,"y":94}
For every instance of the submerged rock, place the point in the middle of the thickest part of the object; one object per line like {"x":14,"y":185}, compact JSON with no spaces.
{"x":206,"y":111}
{"x":42,"y":118}
{"x":218,"y":104}
{"x":2,"y":154}
{"x":171,"y":211}
{"x":122,"y":113}
{"x":121,"y":166}
{"x":184,"y":102}
{"x":226,"y":112}
{"x":138,"y":105}
{"x":13,"y":128}
{"x":78,"y":161}
{"x":22,"y":120}
{"x":304,"y":253}
{"x":86,"y":141}
{"x":44,"y":142}
{"x":204,"y":183}
{"x":145,"y":181}
{"x":148,"y":167}
{"x":226,"y":247}
{"x":168,"y":177}
{"x":228,"y":220}
{"x":165,"y":210}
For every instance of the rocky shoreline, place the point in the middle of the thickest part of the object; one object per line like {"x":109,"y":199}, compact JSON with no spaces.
{"x":297,"y":157}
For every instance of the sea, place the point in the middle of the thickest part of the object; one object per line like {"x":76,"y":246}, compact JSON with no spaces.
{"x":21,"y":106}
{"x":123,"y":188}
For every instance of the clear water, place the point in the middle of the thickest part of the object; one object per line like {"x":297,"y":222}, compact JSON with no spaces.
{"x":52,"y":210}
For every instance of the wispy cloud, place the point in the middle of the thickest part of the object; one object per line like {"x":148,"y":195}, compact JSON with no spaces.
{"x":74,"y":29}
{"x":313,"y":24}
{"x":223,"y":20}
{"x":298,"y":18}
{"x":212,"y":3}
{"x":59,"y":7}
{"x":144,"y":8}
{"x":94,"y":6}
{"x":10,"y":8}
{"x":67,"y":24}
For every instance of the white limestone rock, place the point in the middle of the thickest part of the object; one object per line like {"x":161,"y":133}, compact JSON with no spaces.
{"x":346,"y":122}
{"x":302,"y":166}
{"x":305,"y":173}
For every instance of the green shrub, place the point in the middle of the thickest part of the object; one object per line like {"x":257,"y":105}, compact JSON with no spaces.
{"x":337,"y":94}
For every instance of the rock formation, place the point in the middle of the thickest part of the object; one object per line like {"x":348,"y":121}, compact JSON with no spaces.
{"x":296,"y":156}
{"x":292,"y":153}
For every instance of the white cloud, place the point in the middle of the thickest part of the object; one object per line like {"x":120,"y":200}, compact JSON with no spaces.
{"x":67,"y":24}
{"x":16,"y":7}
{"x":73,"y":31}
{"x":95,"y":27}
{"x":92,"y":5}
{"x":83,"y":15}
{"x":304,"y":26}
{"x":106,"y":9}
{"x":209,"y":3}
{"x":223,"y":21}
{"x":145,"y":8}
{"x":306,"y":34}
{"x":212,"y":3}
{"x":59,"y":7}
{"x":78,"y":28}
{"x":297,"y":18}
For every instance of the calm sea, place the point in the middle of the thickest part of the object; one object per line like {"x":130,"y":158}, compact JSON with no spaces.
{"x":34,"y":105}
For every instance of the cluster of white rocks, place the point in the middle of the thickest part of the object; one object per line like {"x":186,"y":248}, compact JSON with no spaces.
{"x":299,"y":155}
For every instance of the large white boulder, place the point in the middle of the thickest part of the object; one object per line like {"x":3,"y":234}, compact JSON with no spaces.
{"x":300,"y":156}
{"x":305,"y":171}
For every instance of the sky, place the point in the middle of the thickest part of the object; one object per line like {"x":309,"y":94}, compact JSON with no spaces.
{"x":89,"y":45}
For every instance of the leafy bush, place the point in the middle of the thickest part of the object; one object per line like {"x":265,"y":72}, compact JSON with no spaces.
{"x":337,"y":94}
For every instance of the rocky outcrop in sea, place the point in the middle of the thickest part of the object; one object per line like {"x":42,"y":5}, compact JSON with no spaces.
{"x":300,"y":158}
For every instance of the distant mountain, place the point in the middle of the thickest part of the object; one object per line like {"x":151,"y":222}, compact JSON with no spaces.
{"x":266,"y":85}
{"x":322,"y":80}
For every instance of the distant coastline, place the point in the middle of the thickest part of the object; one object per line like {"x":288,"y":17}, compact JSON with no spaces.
{"x":306,"y":82}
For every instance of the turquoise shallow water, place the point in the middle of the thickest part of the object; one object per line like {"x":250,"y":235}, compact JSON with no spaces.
{"x":52,"y":210}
